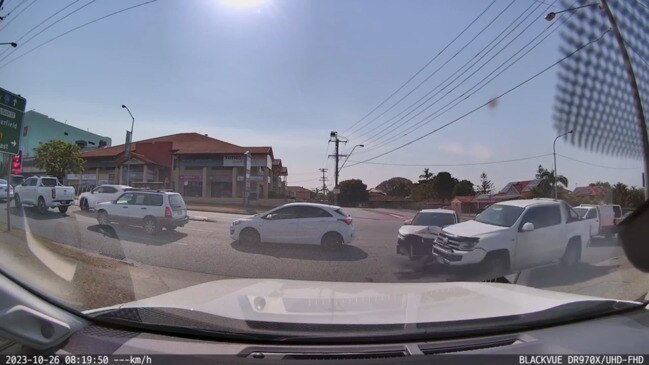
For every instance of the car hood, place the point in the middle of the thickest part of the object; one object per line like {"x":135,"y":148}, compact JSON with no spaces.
{"x":472,"y":229}
{"x":406,"y":230}
{"x":310,"y":302}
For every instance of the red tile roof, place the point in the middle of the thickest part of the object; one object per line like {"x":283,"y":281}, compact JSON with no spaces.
{"x":185,"y":143}
{"x":297,"y":189}
{"x":590,"y":191}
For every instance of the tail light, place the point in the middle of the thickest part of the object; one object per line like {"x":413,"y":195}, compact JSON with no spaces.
{"x":347,"y":220}
{"x":167,"y":212}
{"x":53,"y":193}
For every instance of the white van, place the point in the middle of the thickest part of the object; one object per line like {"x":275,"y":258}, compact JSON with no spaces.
{"x":600,"y":217}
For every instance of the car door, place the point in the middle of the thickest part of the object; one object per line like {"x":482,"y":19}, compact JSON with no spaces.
{"x":29,"y":191}
{"x":313,"y":223}
{"x":106,"y":194}
{"x":95,"y":197}
{"x":539,"y":246}
{"x":122,"y":209}
{"x":592,"y":217}
{"x":280,"y":226}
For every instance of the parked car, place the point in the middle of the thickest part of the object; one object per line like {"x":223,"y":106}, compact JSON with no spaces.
{"x":514,"y":235}
{"x":152,"y":210}
{"x":101,"y":194}
{"x":44,"y":192}
{"x":601,"y":218}
{"x":3,"y":190}
{"x":412,"y":239}
{"x":308,"y":223}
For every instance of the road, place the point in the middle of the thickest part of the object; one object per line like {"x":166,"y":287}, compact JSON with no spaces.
{"x":205,"y":247}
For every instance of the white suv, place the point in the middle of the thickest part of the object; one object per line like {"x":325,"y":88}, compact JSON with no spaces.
{"x":309,"y":223}
{"x":152,"y":210}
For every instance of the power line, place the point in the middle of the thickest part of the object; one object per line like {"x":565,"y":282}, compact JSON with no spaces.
{"x":381,"y":134}
{"x":421,"y":69}
{"x":459,"y":164}
{"x":596,"y":165}
{"x":17,"y":15}
{"x":637,"y":53}
{"x":487,"y":103}
{"x":543,"y":2}
{"x":76,"y":28}
{"x":642,"y":4}
{"x":48,"y":27}
{"x":493,"y":20}
{"x":39,"y":24}
{"x":472,"y":90}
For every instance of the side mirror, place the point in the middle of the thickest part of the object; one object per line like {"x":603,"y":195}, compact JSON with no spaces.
{"x":407,"y":222}
{"x":527,"y":227}
{"x":268,"y":216}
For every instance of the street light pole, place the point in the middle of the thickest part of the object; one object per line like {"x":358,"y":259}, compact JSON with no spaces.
{"x":350,"y":153}
{"x":637,"y":102}
{"x":128,"y":146}
{"x":554,"y":153}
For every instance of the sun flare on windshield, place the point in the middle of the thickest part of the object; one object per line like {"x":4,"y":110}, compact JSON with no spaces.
{"x":243,"y":3}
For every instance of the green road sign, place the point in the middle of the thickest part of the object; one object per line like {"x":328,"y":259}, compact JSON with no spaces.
{"x":12,"y":109}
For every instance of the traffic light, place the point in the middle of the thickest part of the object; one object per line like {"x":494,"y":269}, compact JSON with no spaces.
{"x":16,"y":163}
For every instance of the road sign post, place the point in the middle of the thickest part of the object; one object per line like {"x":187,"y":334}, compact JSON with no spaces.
{"x":12,"y":109}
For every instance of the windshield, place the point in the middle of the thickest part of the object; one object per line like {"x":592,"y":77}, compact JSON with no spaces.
{"x":155,"y":137}
{"x":433,"y":219}
{"x":500,"y":215}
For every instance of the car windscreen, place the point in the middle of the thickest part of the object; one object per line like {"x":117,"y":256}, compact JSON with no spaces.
{"x":581,"y":211}
{"x":433,"y":219}
{"x":176,"y":201}
{"x":48,"y":182}
{"x":500,"y":215}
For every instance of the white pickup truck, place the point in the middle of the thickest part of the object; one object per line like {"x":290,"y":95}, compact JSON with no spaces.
{"x":44,"y":192}
{"x":513,"y":235}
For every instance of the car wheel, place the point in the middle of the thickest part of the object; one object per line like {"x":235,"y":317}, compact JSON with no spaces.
{"x":17,"y":201}
{"x":42,"y":208}
{"x":102,"y":218}
{"x":63,"y":210}
{"x":249,"y":236}
{"x":496,"y":267}
{"x":332,"y":241}
{"x":83,"y":204}
{"x":572,"y":255}
{"x":151,"y":225}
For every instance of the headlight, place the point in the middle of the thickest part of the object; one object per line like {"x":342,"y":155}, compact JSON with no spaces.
{"x":467,"y":243}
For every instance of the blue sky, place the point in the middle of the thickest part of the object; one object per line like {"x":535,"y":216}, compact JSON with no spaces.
{"x":286,"y":73}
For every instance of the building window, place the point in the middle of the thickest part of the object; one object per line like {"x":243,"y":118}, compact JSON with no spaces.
{"x":221,"y":189}
{"x":193,"y":189}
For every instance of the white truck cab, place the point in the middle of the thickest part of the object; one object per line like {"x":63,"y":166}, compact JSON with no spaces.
{"x":513,"y":235}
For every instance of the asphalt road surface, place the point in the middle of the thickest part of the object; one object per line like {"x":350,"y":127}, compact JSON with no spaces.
{"x":205,"y":247}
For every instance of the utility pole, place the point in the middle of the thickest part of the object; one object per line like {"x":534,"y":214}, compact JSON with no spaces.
{"x":324,"y":181}
{"x":334,"y":137}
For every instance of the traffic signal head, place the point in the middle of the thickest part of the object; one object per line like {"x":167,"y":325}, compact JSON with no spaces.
{"x":16,"y":162}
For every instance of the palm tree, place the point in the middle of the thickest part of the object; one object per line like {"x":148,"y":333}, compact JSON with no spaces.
{"x":427,"y":175}
{"x":548,"y":179}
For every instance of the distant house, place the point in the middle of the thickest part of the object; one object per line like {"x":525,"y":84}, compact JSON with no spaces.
{"x":518,"y":189}
{"x":591,"y":194}
{"x":298,"y":193}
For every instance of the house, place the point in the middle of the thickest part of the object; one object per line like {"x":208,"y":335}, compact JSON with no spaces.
{"x":518,"y":189}
{"x":591,"y":194}
{"x":298,"y":193}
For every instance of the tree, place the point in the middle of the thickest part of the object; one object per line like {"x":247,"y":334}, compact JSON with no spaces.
{"x":426,"y":176}
{"x":59,"y":158}
{"x":443,"y":184}
{"x":547,"y":181}
{"x":396,"y":186}
{"x":601,"y":183}
{"x":422,"y":191}
{"x":463,"y":188}
{"x":486,"y":186}
{"x":635,"y":197}
{"x":352,"y":192}
{"x":620,"y":194}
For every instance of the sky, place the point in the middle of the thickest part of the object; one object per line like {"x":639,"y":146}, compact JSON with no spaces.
{"x":285,"y":73}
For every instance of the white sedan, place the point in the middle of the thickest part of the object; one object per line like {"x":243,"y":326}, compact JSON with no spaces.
{"x":3,"y":190}
{"x":308,"y":223}
{"x":101,"y":194}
